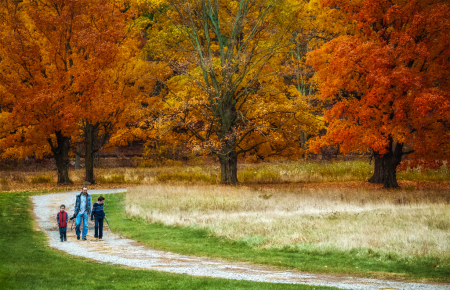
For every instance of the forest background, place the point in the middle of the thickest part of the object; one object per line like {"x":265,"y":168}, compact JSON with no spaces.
{"x":241,"y":80}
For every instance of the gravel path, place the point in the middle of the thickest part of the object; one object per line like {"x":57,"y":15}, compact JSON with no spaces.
{"x":118,"y":250}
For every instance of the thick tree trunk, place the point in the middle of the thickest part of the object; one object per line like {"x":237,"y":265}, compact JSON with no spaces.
{"x":77,"y":157}
{"x":228,"y":164}
{"x":61,"y":154}
{"x":385,"y":166}
{"x":89,"y":131}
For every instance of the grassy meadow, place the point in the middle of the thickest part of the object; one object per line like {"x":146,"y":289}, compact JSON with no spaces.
{"x":309,"y":216}
{"x":26,"y":262}
{"x":403,"y":223}
{"x":195,"y":240}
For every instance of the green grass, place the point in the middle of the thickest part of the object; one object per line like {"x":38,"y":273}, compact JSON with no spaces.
{"x":417,"y":174}
{"x":194,"y":241}
{"x":26,"y":262}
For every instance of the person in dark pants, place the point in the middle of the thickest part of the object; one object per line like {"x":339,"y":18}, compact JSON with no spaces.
{"x":99,"y":214}
{"x":62,"y":218}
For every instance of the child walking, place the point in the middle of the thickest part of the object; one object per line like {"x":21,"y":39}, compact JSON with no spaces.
{"x":62,"y":218}
{"x":99,"y":214}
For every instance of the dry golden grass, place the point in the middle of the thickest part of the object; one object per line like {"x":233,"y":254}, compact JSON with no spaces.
{"x":403,"y":222}
{"x":250,"y":174}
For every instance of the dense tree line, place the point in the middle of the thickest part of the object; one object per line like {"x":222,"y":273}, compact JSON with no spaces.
{"x":226,"y":78}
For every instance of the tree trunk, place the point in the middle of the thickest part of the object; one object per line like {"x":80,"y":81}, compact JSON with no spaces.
{"x":228,"y":138}
{"x":61,"y":154}
{"x":77,"y":157}
{"x":89,"y":131}
{"x":228,"y":164}
{"x":303,"y":140}
{"x":385,"y":166}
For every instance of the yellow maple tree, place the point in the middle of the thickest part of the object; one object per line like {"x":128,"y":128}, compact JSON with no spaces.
{"x":228,"y":92}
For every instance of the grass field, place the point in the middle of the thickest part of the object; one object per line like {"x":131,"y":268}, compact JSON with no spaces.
{"x":192,"y":240}
{"x":312,"y":217}
{"x":26,"y":262}
{"x":404,"y":223}
{"x":313,"y":257}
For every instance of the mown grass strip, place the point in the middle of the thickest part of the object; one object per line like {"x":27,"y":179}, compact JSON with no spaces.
{"x":193,"y":241}
{"x":26,"y":262}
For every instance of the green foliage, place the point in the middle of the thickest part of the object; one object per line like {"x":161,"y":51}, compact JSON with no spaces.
{"x":304,"y":257}
{"x":186,"y":177}
{"x":26,"y":262}
{"x":41,"y":179}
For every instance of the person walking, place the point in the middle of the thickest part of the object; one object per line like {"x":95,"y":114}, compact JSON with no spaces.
{"x":99,"y":215}
{"x":62,"y":218}
{"x":83,"y":207}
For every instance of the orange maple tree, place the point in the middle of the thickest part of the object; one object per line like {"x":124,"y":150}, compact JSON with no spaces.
{"x":389,"y":83}
{"x":62,"y":65}
{"x":107,"y":88}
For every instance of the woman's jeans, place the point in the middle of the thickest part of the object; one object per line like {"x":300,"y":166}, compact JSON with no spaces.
{"x":85,"y":218}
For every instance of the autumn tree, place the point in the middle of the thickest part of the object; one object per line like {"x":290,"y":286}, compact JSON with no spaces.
{"x":228,"y":93}
{"x":65,"y":66}
{"x":390,"y":83}
{"x":35,"y":81}
{"x":315,"y":25}
{"x":108,"y":89}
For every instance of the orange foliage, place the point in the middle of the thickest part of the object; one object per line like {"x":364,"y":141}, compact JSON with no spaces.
{"x":63,"y":63}
{"x":390,"y":81}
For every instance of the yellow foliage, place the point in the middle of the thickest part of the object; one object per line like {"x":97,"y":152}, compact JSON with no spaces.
{"x":230,"y":92}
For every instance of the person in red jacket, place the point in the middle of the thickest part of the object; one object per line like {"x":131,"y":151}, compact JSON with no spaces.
{"x":62,"y":218}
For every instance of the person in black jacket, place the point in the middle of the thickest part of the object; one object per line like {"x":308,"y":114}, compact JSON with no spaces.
{"x":99,"y":214}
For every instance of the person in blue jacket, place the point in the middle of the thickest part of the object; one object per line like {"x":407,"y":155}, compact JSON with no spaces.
{"x":83,"y":206}
{"x":99,"y":214}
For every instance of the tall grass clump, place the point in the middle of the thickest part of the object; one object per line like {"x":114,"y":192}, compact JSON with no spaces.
{"x":115,"y":178}
{"x":335,"y":171}
{"x":404,"y":223}
{"x":4,"y":184}
{"x":41,"y":179}
{"x":418,"y":173}
{"x":186,"y":177}
{"x":120,"y":178}
{"x":263,"y":175}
